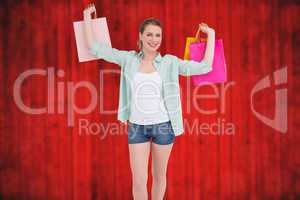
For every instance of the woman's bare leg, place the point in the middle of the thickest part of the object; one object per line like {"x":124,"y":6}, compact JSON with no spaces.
{"x":160,"y":157}
{"x":139,"y":156}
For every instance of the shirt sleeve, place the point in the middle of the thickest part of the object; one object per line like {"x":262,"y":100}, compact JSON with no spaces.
{"x":190,"y":67}
{"x":109,"y":54}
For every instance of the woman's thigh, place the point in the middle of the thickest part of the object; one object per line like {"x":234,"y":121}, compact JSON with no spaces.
{"x":160,"y":158}
{"x":139,"y":156}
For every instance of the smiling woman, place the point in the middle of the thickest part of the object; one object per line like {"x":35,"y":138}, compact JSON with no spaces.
{"x":150,"y":37}
{"x":42,"y":157}
{"x":149,"y":84}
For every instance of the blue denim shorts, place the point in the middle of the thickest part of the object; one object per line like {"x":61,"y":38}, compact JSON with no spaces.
{"x":161,"y":133}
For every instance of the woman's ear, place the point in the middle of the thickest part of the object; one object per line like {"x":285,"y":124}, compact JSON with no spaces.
{"x":140,"y":36}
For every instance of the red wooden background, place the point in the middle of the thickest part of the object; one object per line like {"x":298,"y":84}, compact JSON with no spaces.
{"x":42,"y":158}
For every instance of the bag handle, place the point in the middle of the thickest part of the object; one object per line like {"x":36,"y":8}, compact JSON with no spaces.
{"x":89,"y":7}
{"x":198,"y":36}
{"x":95,"y":14}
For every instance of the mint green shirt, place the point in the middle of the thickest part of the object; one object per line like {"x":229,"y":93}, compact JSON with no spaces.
{"x":169,"y":68}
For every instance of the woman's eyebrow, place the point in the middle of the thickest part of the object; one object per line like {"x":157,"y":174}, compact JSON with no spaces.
{"x":152,"y":33}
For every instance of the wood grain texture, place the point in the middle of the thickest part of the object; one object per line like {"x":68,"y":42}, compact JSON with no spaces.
{"x":41,"y":157}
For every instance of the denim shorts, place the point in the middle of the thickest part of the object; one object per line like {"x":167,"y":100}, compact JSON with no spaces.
{"x":161,"y":133}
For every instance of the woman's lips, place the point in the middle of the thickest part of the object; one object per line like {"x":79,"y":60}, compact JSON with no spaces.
{"x":152,"y":45}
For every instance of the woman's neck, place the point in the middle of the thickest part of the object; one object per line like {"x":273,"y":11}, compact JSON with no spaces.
{"x":149,"y":56}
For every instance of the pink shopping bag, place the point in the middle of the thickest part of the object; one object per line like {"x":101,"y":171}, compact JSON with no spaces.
{"x":101,"y":34}
{"x":218,"y":73}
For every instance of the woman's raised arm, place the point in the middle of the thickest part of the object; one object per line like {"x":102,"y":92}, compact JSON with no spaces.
{"x":101,"y":50}
{"x":190,"y":67}
{"x":210,"y":47}
{"x":89,"y":35}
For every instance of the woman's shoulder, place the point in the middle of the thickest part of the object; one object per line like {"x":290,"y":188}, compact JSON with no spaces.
{"x":134,"y":53}
{"x":169,"y":58}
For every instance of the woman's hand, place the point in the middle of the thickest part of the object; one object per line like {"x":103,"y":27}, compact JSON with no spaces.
{"x":90,"y":8}
{"x":206,"y":29}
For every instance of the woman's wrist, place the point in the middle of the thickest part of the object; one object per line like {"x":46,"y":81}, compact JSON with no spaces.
{"x":211,"y":32}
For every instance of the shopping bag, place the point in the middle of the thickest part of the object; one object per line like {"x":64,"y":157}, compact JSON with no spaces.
{"x":219,"y":72}
{"x":195,"y":49}
{"x":101,"y":34}
{"x":190,"y":40}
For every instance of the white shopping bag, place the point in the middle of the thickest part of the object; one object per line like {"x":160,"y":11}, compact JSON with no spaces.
{"x":101,"y":34}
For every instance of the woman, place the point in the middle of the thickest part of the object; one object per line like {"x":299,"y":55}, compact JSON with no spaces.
{"x":150,"y":99}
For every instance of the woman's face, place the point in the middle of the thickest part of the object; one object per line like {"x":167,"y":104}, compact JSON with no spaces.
{"x":151,"y":38}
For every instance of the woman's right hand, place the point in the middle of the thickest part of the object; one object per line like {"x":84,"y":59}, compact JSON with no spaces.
{"x":89,"y":9}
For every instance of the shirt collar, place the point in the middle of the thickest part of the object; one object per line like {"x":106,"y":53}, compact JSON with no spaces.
{"x":157,"y":58}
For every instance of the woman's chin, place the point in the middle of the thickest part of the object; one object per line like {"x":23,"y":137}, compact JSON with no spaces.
{"x":151,"y":49}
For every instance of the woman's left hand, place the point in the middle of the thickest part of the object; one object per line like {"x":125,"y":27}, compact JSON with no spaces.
{"x":206,"y":29}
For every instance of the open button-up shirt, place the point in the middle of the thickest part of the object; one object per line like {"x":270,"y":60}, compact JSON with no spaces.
{"x":169,"y":68}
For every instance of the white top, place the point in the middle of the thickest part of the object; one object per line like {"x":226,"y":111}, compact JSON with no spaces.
{"x":147,"y":105}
